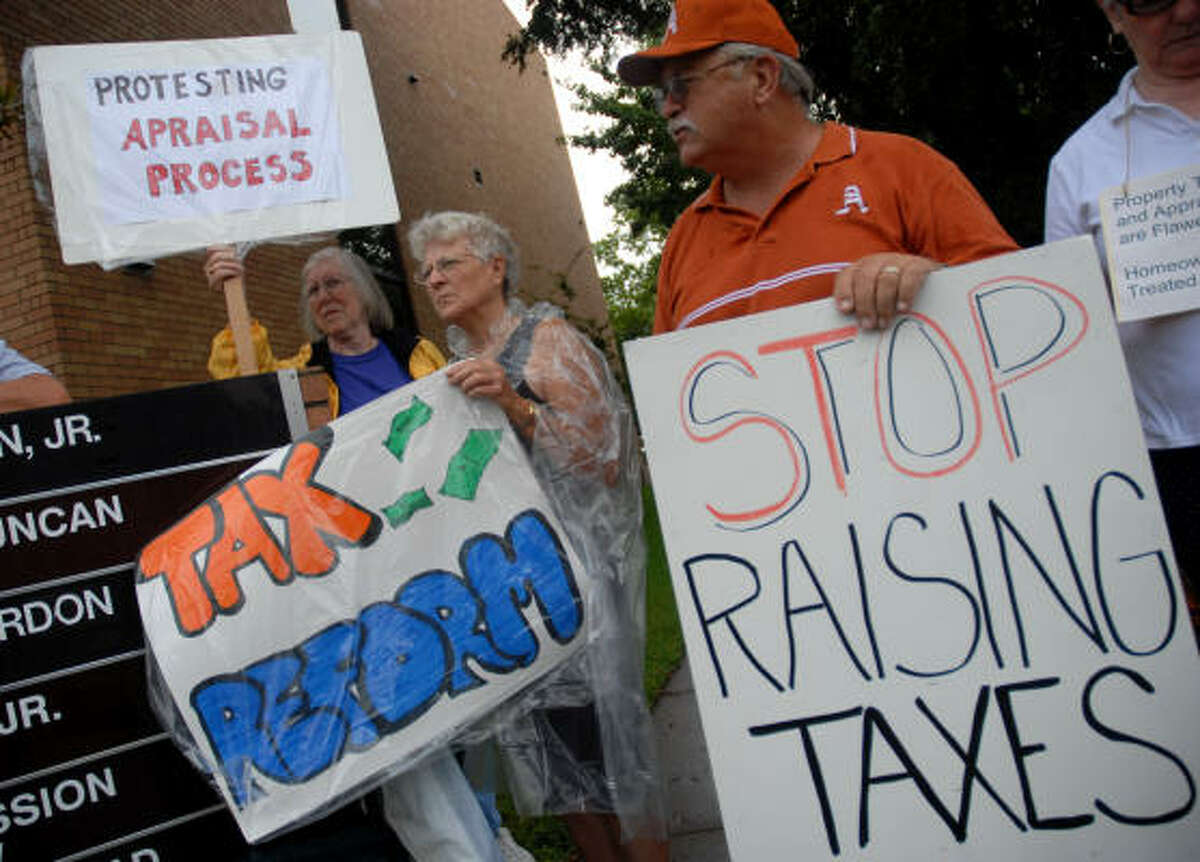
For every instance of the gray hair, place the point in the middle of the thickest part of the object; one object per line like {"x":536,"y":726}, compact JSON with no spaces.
{"x":486,"y":238}
{"x":359,"y":275}
{"x":794,"y":79}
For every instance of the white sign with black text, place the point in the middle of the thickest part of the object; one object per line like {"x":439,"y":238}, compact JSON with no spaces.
{"x":1152,"y":237}
{"x":929,"y":600}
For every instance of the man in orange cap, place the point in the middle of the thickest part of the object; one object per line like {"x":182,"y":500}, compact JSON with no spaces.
{"x":797,"y":210}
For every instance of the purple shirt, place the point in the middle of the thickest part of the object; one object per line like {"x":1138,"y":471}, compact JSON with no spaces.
{"x":365,"y":377}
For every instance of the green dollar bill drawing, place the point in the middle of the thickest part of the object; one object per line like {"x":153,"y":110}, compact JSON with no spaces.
{"x":405,"y":424}
{"x":466,"y":467}
{"x":408,"y":505}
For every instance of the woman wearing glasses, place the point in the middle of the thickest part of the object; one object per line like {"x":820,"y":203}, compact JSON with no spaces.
{"x":1151,"y":126}
{"x":589,"y":754}
{"x":431,"y":808}
{"x":344,"y":312}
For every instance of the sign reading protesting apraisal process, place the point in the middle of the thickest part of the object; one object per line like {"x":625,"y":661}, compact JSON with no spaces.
{"x":929,"y":600}
{"x":349,"y":603}
{"x":160,"y":147}
{"x":1152,"y":238}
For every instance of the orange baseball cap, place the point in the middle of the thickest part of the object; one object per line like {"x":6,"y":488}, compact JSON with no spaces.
{"x":695,"y":25}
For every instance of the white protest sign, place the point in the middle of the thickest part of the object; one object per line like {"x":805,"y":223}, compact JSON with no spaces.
{"x":160,"y":147}
{"x":1152,"y":238}
{"x":352,"y":601}
{"x":210,"y":154}
{"x":929,"y":601}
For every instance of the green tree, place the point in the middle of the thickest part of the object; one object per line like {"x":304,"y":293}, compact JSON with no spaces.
{"x":995,"y":86}
{"x":646,"y":204}
{"x":629,"y":266}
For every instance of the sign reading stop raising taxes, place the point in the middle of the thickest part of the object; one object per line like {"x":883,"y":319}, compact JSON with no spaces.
{"x":354,"y":600}
{"x":161,"y":147}
{"x":929,"y":599}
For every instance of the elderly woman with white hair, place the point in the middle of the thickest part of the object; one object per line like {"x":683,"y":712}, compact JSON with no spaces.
{"x":587,"y":751}
{"x":431,"y":808}
{"x":353,"y":332}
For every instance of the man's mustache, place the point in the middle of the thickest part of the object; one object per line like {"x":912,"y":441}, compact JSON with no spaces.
{"x":676,"y":124}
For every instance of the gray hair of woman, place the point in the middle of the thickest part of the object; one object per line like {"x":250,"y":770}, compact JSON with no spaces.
{"x":359,"y":275}
{"x":485,"y":238}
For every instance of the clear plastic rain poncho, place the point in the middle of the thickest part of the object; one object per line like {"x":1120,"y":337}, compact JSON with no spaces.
{"x":584,"y":454}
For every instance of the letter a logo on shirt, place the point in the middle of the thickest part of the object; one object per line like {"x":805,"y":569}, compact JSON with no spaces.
{"x":852,"y":197}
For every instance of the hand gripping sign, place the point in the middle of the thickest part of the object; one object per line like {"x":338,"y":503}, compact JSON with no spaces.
{"x":160,"y":147}
{"x":929,"y":600}
{"x":354,"y":600}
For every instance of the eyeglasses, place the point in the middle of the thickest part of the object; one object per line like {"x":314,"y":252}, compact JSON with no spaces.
{"x":330,"y":285}
{"x":1146,"y":7}
{"x":676,"y":87}
{"x":443,"y":265}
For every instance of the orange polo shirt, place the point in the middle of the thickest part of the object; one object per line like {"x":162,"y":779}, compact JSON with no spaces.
{"x":860,"y":193}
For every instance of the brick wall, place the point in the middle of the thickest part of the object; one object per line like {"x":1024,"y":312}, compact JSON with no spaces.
{"x":118,"y":332}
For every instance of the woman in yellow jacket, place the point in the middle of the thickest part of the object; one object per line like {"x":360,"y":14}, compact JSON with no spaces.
{"x":353,"y":332}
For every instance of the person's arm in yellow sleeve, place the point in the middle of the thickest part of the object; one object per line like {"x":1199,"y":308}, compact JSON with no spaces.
{"x":221,"y":264}
{"x":425,"y":359}
{"x":222,"y":360}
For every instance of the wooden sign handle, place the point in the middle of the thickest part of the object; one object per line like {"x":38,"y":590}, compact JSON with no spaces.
{"x":239,"y":324}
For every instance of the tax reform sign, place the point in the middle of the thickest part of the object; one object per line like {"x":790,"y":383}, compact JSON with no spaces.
{"x":351,"y":602}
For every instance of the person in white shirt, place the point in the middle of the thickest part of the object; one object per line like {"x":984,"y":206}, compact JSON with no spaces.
{"x":1151,"y":126}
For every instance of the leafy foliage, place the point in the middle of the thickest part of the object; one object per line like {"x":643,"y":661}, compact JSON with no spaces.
{"x":628,"y":279}
{"x":646,"y":204}
{"x":557,"y":26}
{"x":658,"y":187}
{"x":995,"y":86}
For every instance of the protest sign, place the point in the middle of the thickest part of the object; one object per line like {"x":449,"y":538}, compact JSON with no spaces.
{"x":351,"y":602}
{"x":929,"y":601}
{"x":1152,"y":238}
{"x":160,"y":147}
{"x":86,"y":771}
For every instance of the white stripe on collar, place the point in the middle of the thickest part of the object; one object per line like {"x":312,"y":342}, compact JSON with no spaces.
{"x":758,"y":287}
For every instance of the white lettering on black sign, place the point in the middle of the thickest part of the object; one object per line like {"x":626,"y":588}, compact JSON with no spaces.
{"x":69,"y":794}
{"x":53,"y":522}
{"x":67,"y":609}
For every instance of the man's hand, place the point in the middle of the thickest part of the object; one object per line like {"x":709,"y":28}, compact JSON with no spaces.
{"x":879,"y":286}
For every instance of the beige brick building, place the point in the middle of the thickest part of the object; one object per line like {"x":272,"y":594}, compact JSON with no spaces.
{"x":463,"y":129}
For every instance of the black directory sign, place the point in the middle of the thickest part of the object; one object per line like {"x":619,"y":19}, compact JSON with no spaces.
{"x":86,"y":769}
